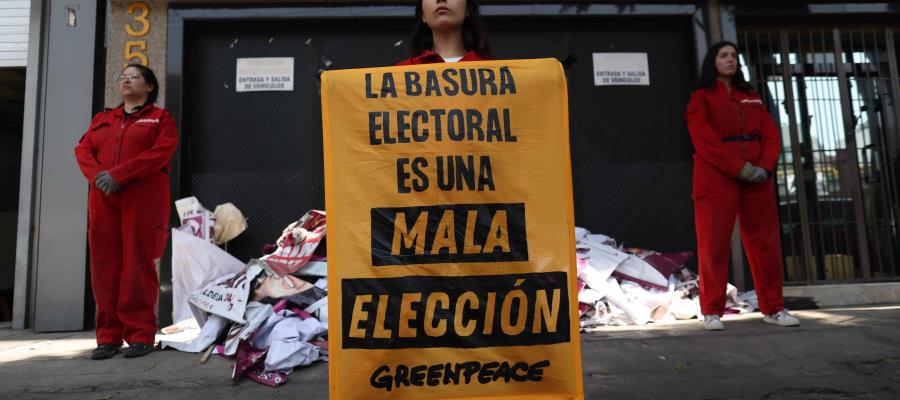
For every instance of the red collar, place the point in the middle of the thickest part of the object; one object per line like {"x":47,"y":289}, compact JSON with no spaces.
{"x":722,"y":88}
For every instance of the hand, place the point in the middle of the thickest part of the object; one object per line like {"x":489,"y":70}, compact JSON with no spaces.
{"x":759,"y":175}
{"x":753,"y":174}
{"x":747,"y":173}
{"x":105,"y":182}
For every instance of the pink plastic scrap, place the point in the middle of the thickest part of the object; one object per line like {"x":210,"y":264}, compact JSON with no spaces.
{"x":636,"y":270}
{"x":246,"y":358}
{"x":250,"y":363}
{"x":581,"y":264}
{"x":665,"y":263}
{"x":651,"y":269}
{"x":296,"y":244}
{"x":583,"y":308}
{"x":268,"y":378}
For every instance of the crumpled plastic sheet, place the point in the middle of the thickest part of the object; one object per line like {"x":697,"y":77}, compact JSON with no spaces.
{"x":229,"y":298}
{"x":307,"y":297}
{"x":196,"y":263}
{"x":288,"y":338}
{"x":743,"y":303}
{"x":296,"y":245}
{"x":666,"y":263}
{"x":266,"y":340}
{"x":248,"y":362}
{"x":639,"y":271}
{"x":635,"y":286}
{"x":257,"y":314}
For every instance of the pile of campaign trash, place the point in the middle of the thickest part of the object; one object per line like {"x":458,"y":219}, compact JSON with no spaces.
{"x":269,"y":315}
{"x":632,"y":286}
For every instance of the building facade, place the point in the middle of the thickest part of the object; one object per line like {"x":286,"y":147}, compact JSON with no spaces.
{"x":830,"y":65}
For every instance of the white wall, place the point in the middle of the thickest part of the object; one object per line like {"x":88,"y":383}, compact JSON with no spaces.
{"x":13,"y":32}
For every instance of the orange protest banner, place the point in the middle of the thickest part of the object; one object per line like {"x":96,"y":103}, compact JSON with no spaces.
{"x":451,"y":257}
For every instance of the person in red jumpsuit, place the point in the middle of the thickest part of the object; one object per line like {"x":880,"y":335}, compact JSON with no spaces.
{"x":125,"y":157}
{"x":447,"y":31}
{"x":736,"y":147}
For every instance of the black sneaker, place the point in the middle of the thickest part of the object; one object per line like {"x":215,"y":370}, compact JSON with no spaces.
{"x":104,"y":351}
{"x":138,"y":350}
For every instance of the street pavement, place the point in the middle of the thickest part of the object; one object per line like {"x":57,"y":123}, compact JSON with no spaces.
{"x":841,"y":353}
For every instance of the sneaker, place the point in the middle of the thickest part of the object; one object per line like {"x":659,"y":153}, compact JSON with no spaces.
{"x":782,"y":318}
{"x":712,"y":323}
{"x":104,"y":351}
{"x":138,"y":350}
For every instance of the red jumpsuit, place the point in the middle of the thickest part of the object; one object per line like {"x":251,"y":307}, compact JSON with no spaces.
{"x":127,"y":229}
{"x":430,"y":57}
{"x":729,"y":130}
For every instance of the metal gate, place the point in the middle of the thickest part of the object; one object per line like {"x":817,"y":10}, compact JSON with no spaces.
{"x":836,"y":95}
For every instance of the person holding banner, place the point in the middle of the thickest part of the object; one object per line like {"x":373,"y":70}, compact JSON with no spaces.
{"x":447,"y":31}
{"x":125,"y":157}
{"x":441,"y":288}
{"x":736,"y":150}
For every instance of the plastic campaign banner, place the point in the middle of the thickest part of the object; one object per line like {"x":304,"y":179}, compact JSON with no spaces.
{"x":451,"y":256}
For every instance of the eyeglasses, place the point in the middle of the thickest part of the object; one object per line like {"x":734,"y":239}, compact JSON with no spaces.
{"x":123,"y":77}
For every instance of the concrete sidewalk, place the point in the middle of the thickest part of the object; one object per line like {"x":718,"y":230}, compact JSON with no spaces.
{"x":841,"y":353}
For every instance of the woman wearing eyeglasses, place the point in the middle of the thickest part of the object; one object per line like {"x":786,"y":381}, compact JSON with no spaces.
{"x":125,"y":157}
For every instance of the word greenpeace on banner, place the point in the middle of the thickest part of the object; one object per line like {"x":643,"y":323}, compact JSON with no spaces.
{"x":449,"y":233}
{"x":460,"y":312}
{"x":451,"y":172}
{"x":455,"y":373}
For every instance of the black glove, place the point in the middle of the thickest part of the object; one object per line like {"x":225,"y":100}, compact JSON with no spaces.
{"x":105,"y":182}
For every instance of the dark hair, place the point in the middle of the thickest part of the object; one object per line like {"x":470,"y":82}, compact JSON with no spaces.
{"x":150,"y":78}
{"x":474,"y":37}
{"x":709,"y":74}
